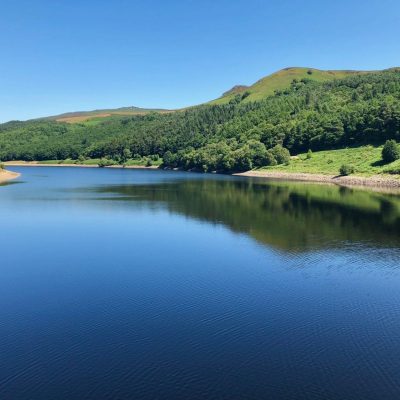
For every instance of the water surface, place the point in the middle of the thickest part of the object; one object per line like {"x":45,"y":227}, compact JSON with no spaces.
{"x":134,"y":284}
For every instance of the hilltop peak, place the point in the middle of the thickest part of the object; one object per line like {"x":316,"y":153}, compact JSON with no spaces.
{"x":236,"y":90}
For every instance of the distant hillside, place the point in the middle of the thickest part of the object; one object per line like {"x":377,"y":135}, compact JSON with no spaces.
{"x":267,"y":86}
{"x":281,"y":80}
{"x":263,"y":88}
{"x":81,"y":116}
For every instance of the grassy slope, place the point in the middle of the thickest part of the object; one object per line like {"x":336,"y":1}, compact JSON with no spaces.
{"x":366,"y":161}
{"x":281,"y":80}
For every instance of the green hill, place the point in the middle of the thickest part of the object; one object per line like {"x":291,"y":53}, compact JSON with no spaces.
{"x":280,"y":81}
{"x":267,"y":86}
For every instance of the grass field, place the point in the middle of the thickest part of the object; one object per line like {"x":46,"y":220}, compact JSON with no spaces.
{"x":143,"y":162}
{"x":366,"y":160}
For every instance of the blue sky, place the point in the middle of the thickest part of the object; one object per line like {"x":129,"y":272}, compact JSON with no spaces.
{"x":69,"y":55}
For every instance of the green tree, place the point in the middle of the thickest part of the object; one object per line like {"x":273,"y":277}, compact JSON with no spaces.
{"x":126,"y":155}
{"x":242,"y":159}
{"x":170,"y":159}
{"x":282,"y":155}
{"x":258,"y":153}
{"x":390,"y":151}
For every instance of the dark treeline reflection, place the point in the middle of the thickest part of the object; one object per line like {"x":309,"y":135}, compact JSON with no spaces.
{"x":288,"y":216}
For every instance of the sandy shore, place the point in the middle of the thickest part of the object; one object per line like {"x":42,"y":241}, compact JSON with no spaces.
{"x":376,"y":181}
{"x":7,"y":175}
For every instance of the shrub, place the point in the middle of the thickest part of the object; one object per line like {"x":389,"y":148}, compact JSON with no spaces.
{"x":346,"y":170}
{"x":282,"y":155}
{"x":309,"y":154}
{"x":106,"y":162}
{"x":149,"y":162}
{"x":390,"y":151}
{"x":1,"y":165}
{"x":393,"y":171}
{"x":245,"y":94}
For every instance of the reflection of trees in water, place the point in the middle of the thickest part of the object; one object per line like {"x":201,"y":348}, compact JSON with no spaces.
{"x":288,"y":216}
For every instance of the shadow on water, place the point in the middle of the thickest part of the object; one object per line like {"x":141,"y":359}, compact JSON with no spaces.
{"x":287,"y":216}
{"x":9,"y":183}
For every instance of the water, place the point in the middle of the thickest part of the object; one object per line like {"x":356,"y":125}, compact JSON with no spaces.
{"x":130,"y":284}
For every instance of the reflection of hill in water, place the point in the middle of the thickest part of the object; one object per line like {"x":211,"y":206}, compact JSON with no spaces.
{"x":288,"y":216}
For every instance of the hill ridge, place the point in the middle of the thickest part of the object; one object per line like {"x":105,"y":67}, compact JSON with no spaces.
{"x":266,"y":86}
{"x":80,"y":116}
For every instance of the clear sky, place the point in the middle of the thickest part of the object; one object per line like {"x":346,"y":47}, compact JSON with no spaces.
{"x":69,"y":55}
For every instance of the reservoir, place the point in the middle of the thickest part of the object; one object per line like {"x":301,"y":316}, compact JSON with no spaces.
{"x":148,"y":284}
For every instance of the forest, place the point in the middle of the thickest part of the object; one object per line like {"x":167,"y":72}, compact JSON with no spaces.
{"x":356,"y":110}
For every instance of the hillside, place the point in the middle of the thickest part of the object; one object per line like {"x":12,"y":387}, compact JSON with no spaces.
{"x":280,"y":81}
{"x":81,"y":116}
{"x":319,"y":114}
{"x":366,"y":161}
{"x":267,"y":86}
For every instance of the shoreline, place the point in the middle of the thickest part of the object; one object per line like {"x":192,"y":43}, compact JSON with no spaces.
{"x":373,"y":182}
{"x":7,"y":175}
{"x":37,"y":164}
{"x":377,"y":182}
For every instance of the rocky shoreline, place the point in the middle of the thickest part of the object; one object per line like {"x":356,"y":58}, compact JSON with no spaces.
{"x":377,"y":181}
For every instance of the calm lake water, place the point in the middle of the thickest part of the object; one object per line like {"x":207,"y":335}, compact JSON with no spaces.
{"x":131,"y":284}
